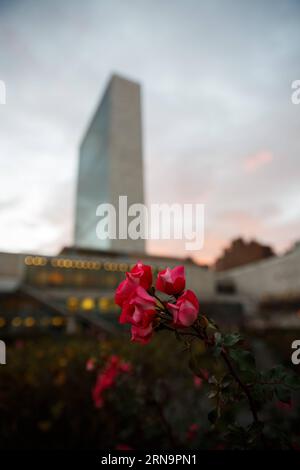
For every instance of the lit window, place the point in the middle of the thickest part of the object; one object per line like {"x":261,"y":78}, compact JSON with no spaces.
{"x":72,"y":303}
{"x":123,"y":267}
{"x":17,"y":321}
{"x":104,"y":304}
{"x":28,"y":260}
{"x":68,"y":263}
{"x":2,"y":322}
{"x":60,"y":263}
{"x":88,"y":304}
{"x":29,"y":322}
{"x":57,"y":321}
{"x":55,"y":278}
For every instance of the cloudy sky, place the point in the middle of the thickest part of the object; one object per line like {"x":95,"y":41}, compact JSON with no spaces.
{"x":219,"y":124}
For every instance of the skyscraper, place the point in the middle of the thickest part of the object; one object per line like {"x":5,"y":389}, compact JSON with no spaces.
{"x":110,"y":164}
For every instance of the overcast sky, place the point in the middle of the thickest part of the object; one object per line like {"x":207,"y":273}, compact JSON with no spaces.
{"x":219,"y":124}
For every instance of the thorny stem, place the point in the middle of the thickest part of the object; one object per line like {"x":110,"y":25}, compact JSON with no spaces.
{"x":247,"y":392}
{"x":165,"y":423}
{"x":241,"y":384}
{"x":182,"y":333}
{"x":201,"y":334}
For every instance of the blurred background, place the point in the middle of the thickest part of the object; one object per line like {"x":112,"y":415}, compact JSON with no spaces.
{"x":182,"y":103}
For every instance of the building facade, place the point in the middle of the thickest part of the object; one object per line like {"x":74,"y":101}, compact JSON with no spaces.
{"x":110,"y":164}
{"x":42,"y":292}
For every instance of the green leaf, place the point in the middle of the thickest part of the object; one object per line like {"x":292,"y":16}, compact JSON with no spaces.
{"x":231,"y":339}
{"x":243,"y":358}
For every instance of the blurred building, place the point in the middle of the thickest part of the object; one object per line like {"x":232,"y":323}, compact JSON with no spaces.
{"x":75,"y":289}
{"x":269,"y":290}
{"x":110,"y":164}
{"x":241,"y":252}
{"x":276,"y":277}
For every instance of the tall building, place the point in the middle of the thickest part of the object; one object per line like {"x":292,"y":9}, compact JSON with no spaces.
{"x":111,"y":164}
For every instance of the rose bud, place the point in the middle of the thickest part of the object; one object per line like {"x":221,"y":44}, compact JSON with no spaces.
{"x":185,"y":311}
{"x":141,"y":335}
{"x":171,"y":281}
{"x":139,"y":310}
{"x":124,"y":290}
{"x":141,"y":274}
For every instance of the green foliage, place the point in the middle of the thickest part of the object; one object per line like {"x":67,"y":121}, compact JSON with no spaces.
{"x":235,"y":380}
{"x":278,"y":382}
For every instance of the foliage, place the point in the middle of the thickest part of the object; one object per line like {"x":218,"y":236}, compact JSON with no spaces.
{"x":233,"y":375}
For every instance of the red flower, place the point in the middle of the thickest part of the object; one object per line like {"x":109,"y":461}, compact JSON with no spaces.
{"x":186,"y":309}
{"x":125,"y":367}
{"x":281,"y":405}
{"x":204,"y":374}
{"x":198,"y":382}
{"x":171,"y":281}
{"x":139,"y":310}
{"x":124,"y":290}
{"x":192,"y":431}
{"x":140,"y":275}
{"x":141,"y":334}
{"x":107,"y":378}
{"x":90,"y":364}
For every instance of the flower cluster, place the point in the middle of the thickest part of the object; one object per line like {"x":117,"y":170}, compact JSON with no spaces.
{"x":107,"y":378}
{"x":143,"y":308}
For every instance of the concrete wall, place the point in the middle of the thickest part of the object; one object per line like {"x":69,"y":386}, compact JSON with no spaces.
{"x":275,"y":277}
{"x":11,"y":271}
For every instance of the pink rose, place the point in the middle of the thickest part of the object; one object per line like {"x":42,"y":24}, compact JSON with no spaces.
{"x":171,"y":281}
{"x":124,"y":290}
{"x":198,"y":381}
{"x":185,"y":311}
{"x":192,"y":431}
{"x":139,"y":310}
{"x":142,"y":274}
{"x":90,"y":364}
{"x":125,"y":367}
{"x":141,"y":334}
{"x":107,"y":378}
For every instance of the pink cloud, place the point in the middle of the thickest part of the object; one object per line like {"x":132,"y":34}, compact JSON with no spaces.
{"x":257,"y":161}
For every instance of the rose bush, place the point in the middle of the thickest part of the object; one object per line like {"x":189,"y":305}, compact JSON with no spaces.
{"x":152,"y":407}
{"x":107,"y":378}
{"x":143,"y":310}
{"x":233,"y":377}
